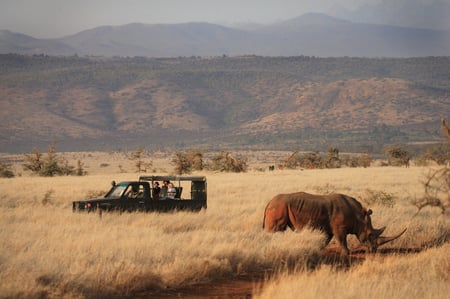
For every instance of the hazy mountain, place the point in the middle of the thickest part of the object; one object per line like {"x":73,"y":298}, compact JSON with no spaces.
{"x":322,"y":35}
{"x":160,"y":40}
{"x":310,"y":34}
{"x":432,"y":14}
{"x":11,"y":42}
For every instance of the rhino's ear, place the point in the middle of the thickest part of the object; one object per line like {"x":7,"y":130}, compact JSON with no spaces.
{"x":369,"y":212}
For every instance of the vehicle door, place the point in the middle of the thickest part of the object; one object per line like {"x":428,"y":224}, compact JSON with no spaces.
{"x":133,"y":198}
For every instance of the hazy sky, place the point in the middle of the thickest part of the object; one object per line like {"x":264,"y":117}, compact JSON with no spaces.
{"x":56,"y":18}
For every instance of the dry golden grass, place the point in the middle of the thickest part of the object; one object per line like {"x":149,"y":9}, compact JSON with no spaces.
{"x":48,"y":251}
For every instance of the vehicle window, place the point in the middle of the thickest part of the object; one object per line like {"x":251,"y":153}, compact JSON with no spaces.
{"x":118,"y":190}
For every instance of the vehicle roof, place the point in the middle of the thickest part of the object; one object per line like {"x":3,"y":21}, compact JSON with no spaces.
{"x":172,"y":178}
{"x":128,"y":182}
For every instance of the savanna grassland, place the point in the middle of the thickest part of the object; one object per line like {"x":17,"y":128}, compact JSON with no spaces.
{"x":49,"y":252}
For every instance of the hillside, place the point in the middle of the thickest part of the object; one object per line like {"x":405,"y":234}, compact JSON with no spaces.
{"x":250,"y":101}
{"x":311,"y":34}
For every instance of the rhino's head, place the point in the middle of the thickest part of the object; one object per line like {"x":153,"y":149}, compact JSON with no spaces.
{"x":370,"y":236}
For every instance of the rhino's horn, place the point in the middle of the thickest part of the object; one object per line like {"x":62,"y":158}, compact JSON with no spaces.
{"x":384,"y":240}
{"x":378,"y":232}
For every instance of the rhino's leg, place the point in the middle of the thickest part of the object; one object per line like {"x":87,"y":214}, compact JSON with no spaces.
{"x":328,"y":237}
{"x":342,"y":240}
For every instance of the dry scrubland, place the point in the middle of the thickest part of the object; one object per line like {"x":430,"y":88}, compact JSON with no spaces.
{"x":47,"y":251}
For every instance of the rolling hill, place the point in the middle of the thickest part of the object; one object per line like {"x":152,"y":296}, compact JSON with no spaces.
{"x":248,"y":102}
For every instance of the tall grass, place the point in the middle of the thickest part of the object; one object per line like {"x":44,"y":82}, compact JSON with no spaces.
{"x":48,"y":251}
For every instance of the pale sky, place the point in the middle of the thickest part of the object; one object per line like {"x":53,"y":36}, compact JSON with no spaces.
{"x":57,"y":18}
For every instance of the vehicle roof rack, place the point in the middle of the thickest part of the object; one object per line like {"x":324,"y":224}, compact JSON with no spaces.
{"x":171,"y":178}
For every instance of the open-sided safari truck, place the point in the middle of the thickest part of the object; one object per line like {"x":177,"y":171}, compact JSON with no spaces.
{"x":142,"y":196}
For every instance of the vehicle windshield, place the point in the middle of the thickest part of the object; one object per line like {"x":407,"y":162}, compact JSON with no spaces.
{"x":117,"y":190}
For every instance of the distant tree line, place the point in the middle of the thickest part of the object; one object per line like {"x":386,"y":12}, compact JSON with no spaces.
{"x":50,"y":164}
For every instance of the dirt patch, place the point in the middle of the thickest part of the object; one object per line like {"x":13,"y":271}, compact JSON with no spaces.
{"x":244,"y":285}
{"x":240,"y":286}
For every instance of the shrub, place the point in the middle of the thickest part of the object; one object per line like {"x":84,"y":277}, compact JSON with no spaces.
{"x":226,"y":162}
{"x":185,"y":162}
{"x":437,"y":190}
{"x":382,"y":198}
{"x":5,"y":170}
{"x":439,"y":154}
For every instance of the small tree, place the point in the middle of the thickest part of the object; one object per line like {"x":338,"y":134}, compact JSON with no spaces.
{"x":80,"y":169}
{"x":139,"y":164}
{"x":226,"y":162}
{"x":195,"y":158}
{"x":51,"y":165}
{"x":333,"y":160}
{"x":33,"y":161}
{"x":67,"y":169}
{"x":398,"y":156}
{"x":181,"y":162}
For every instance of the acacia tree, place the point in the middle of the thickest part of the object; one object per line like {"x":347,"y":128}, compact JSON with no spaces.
{"x":137,"y":157}
{"x":33,"y":161}
{"x":397,"y":156}
{"x":52,"y":165}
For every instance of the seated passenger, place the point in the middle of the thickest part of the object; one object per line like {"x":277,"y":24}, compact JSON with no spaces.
{"x":171,"y":191}
{"x":156,"y":191}
{"x":164,"y":189}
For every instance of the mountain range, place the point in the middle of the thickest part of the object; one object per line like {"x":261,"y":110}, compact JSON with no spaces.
{"x":301,"y":102}
{"x":311,"y":34}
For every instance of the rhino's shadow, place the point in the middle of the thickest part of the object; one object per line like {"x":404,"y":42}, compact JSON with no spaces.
{"x":332,"y":256}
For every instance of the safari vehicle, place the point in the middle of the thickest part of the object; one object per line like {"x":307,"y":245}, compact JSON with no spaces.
{"x":140,"y":195}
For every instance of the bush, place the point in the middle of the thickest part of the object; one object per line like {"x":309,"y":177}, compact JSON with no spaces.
{"x":185,"y":162}
{"x":5,"y":170}
{"x":382,"y":198}
{"x":437,"y":190}
{"x":226,"y":162}
{"x":439,"y":154}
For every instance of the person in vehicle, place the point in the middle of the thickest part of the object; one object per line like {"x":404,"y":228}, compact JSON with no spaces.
{"x":164,"y":189}
{"x":156,"y":191}
{"x":171,"y":191}
{"x":132,"y":191}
